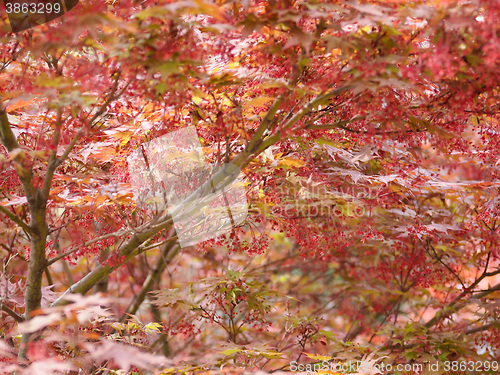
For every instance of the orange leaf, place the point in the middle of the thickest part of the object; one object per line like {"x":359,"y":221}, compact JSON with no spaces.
{"x":16,"y":104}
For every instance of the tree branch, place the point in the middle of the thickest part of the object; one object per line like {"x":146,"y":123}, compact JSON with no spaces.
{"x":71,"y":251}
{"x":16,"y":219}
{"x":164,"y":258}
{"x":110,"y":97}
{"x":457,"y":305}
{"x":220,"y":179}
{"x":129,"y":249}
{"x":313,"y":103}
{"x":52,"y":163}
{"x":55,"y":161}
{"x":338,"y":125}
{"x":8,"y":138}
{"x":266,"y":121}
{"x":18,"y":318}
{"x":482,"y":328}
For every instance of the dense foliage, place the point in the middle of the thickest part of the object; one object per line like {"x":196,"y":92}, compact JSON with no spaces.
{"x":368,"y":136}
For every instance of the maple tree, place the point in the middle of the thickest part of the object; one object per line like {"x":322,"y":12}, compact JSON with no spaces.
{"x":368,"y":137}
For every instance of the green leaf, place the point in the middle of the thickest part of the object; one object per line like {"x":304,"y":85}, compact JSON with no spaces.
{"x":231,"y":351}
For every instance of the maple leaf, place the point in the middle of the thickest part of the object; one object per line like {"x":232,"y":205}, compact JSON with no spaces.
{"x":126,"y":356}
{"x":368,"y":365}
{"x":47,"y":367}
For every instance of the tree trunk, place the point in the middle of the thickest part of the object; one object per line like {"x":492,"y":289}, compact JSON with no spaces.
{"x":36,"y":267}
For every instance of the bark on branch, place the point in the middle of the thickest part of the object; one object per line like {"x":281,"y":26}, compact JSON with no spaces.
{"x":168,"y":252}
{"x":456,"y":305}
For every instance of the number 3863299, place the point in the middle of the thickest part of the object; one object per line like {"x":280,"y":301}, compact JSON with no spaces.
{"x":33,"y":8}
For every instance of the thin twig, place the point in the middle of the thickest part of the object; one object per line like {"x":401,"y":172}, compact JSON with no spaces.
{"x":117,"y":234}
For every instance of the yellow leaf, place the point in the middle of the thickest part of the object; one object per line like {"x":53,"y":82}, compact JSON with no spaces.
{"x":319,"y":357}
{"x":397,"y":189}
{"x":258,"y":102}
{"x":367,"y":29}
{"x":261,"y":193}
{"x":152,"y":327}
{"x":133,"y":325}
{"x":233,"y":65}
{"x":121,"y":134}
{"x":196,"y":99}
{"x":291,"y":163}
{"x":210,"y":9}
{"x":118,"y":326}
